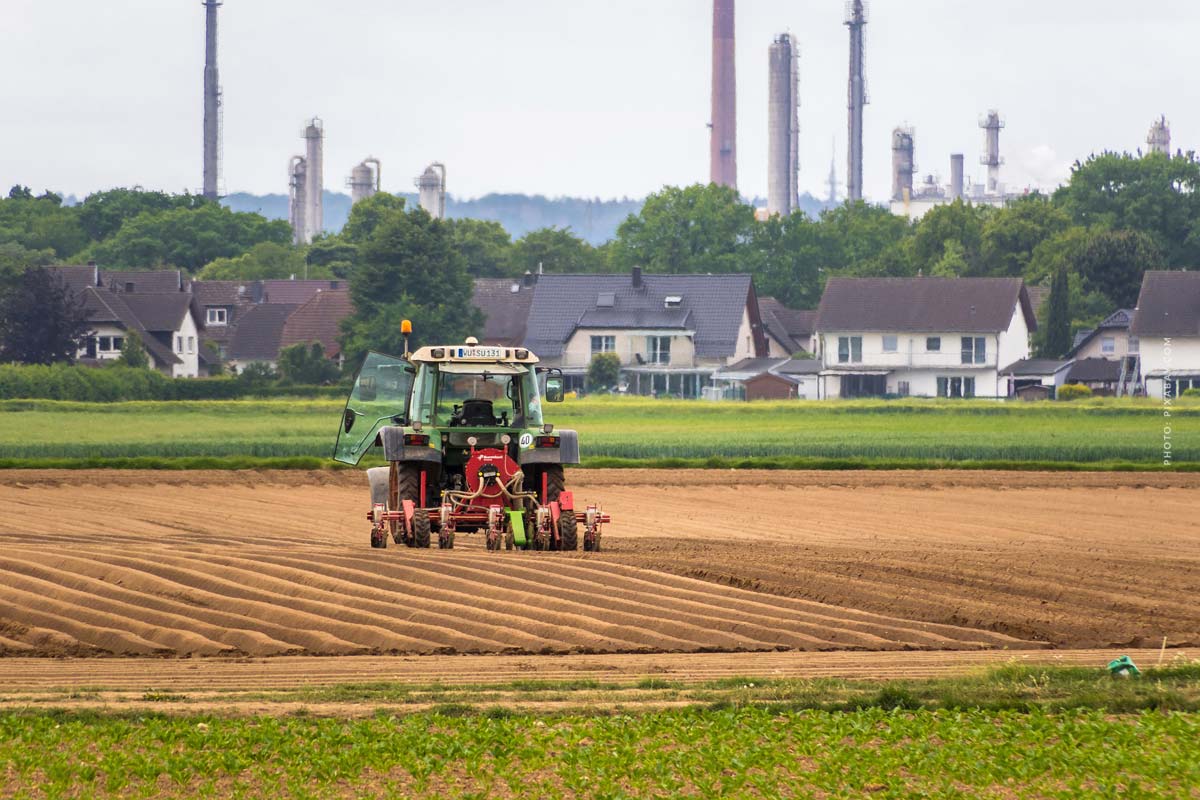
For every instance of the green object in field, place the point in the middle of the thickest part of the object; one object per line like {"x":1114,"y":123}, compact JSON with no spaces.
{"x":1123,"y":665}
{"x":517,"y":520}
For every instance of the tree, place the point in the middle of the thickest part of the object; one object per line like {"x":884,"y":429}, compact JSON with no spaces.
{"x":41,"y":223}
{"x":331,"y":255}
{"x":956,"y":228}
{"x":1112,"y":263}
{"x":15,"y":259}
{"x":306,"y":365}
{"x":555,"y":250}
{"x":953,"y":263}
{"x":785,"y":256}
{"x":408,"y":269}
{"x":485,"y":245}
{"x":133,"y":351}
{"x":103,"y":213}
{"x":1058,"y":318}
{"x":604,"y":372}
{"x":41,"y":320}
{"x":263,"y":261}
{"x":699,"y":228}
{"x":1155,"y":195}
{"x":1013,"y":233}
{"x":187,"y":238}
{"x":865,"y":241}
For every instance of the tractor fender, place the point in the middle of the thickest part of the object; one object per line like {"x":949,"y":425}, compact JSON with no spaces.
{"x":378,"y":478}
{"x":394,"y":449}
{"x":567,"y":452}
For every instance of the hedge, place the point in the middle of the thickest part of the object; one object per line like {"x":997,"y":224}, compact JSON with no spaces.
{"x":116,"y":383}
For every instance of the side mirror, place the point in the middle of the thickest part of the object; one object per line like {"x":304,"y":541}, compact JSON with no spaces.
{"x":348,"y":419}
{"x":554,"y":390}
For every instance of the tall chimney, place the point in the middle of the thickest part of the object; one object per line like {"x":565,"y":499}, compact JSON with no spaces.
{"x":212,"y":102}
{"x":783,"y":126}
{"x":856,"y":20}
{"x":992,"y":124}
{"x":903,"y":163}
{"x":314,"y":178}
{"x":637,"y":278}
{"x":723,"y":144}
{"x":956,"y":176}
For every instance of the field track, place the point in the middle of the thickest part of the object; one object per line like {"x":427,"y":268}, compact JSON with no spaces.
{"x":271,"y":564}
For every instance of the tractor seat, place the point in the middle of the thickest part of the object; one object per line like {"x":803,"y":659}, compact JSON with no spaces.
{"x":478,"y":413}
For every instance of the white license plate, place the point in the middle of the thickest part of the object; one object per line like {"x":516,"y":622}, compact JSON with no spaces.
{"x":478,"y":352}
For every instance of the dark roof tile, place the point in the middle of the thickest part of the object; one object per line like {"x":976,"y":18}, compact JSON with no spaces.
{"x":259,"y":332}
{"x":1169,"y":304}
{"x":927,"y":305}
{"x":505,"y":311}
{"x":319,"y":320}
{"x":1094,"y":370}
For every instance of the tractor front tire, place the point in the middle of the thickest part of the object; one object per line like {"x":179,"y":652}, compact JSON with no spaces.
{"x":568,"y":531}
{"x":555,"y":482}
{"x":421,"y":528}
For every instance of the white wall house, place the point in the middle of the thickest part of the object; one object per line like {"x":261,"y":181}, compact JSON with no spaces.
{"x":921,"y":337}
{"x":1167,"y":326}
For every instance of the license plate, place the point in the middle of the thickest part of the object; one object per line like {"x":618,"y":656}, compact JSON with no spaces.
{"x":479,"y":352}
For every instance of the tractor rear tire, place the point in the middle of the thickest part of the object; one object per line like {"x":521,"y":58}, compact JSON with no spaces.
{"x":555,"y":482}
{"x":568,"y":531}
{"x":421,"y":528}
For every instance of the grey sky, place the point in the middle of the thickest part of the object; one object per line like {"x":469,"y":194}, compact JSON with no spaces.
{"x":605,"y":98}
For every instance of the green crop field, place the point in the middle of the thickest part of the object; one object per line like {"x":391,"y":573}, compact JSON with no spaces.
{"x":613,"y":431}
{"x":1014,"y":733}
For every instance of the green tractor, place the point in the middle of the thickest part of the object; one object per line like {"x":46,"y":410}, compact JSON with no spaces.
{"x":467,"y":449}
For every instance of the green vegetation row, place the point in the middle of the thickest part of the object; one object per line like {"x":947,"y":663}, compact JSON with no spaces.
{"x":633,"y":432}
{"x":113,"y":384}
{"x":888,"y":746}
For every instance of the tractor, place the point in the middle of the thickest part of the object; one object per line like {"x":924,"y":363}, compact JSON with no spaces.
{"x":467,"y":449}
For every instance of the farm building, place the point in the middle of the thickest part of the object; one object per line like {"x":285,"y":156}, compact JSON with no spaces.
{"x":1027,"y":375}
{"x":1167,"y":326}
{"x":924,"y":337}
{"x":766,"y":379}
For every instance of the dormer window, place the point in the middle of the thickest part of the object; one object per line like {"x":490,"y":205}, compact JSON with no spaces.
{"x":672,"y":301}
{"x":606,"y":300}
{"x":218,"y":316}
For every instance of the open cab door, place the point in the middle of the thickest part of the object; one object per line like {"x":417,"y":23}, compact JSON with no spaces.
{"x":380,"y":398}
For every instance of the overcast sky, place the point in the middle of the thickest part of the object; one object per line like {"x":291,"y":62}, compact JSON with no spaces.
{"x":606,"y":98}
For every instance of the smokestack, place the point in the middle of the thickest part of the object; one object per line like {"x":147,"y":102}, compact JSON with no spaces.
{"x":1159,"y":139}
{"x":212,"y":102}
{"x":856,"y":20}
{"x":903,"y":164}
{"x":431,"y":190}
{"x":297,"y":184}
{"x":783,"y":130}
{"x":723,"y":145}
{"x":314,"y":178}
{"x":991,"y":125}
{"x":364,"y":180}
{"x":956,"y":176}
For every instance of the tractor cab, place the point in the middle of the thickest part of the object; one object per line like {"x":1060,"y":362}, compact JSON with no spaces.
{"x":462,"y":430}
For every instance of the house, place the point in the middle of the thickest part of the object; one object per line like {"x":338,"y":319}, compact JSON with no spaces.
{"x":1029,"y":376}
{"x":168,"y":321}
{"x":319,"y":320}
{"x":505,"y":305}
{"x":925,"y":337}
{"x":670,"y":332}
{"x":295,"y":292}
{"x":258,"y":337}
{"x":1111,"y":340}
{"x":789,"y":331}
{"x":1102,"y":375}
{"x":1167,"y":326}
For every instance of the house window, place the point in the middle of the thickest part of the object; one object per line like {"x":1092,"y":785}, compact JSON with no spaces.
{"x":218,"y":316}
{"x":191,"y":344}
{"x":849,"y":349}
{"x":890,"y":344}
{"x":956,"y":387}
{"x":1134,"y":344}
{"x":105,"y":344}
{"x":659,"y":348}
{"x":178,"y":344}
{"x":974,"y":350}
{"x":1108,"y":345}
{"x":933,"y":344}
{"x":672,"y":301}
{"x":603,"y":344}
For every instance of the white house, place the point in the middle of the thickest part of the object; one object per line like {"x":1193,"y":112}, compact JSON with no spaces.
{"x":924,"y":337}
{"x":1167,"y":326}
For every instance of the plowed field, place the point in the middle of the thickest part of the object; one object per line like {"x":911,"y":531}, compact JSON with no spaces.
{"x":126,"y":563}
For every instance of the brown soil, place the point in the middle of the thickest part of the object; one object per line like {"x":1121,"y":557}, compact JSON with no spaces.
{"x":275,"y":563}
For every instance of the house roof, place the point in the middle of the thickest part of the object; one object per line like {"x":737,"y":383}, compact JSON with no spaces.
{"x":799,"y":366}
{"x":1168,"y":305}
{"x":504,"y":303}
{"x":790,"y":327}
{"x":969,"y":305}
{"x":105,"y":306}
{"x":77,"y":277}
{"x":1119,"y":320}
{"x":1094,"y":370}
{"x":1039,"y":293}
{"x":226,"y":293}
{"x":716,"y":304}
{"x":154,"y":281}
{"x":259,"y":332}
{"x":295,"y":292}
{"x":748,"y":368}
{"x":645,"y":318}
{"x":1035,"y":366}
{"x":161,"y":311}
{"x":319,"y":320}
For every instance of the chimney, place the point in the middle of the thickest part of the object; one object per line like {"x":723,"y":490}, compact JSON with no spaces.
{"x":128,"y":287}
{"x":637,"y":277}
{"x":530,"y":279}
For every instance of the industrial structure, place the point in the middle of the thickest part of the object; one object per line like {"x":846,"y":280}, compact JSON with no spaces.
{"x":991,"y":125}
{"x":903,"y":163}
{"x":833,"y":179}
{"x":306,"y":185}
{"x":1159,"y":139}
{"x":957,"y":175}
{"x":723,"y":144}
{"x":783,"y":126}
{"x":431,"y":190}
{"x":856,"y":20}
{"x":212,"y":104}
{"x":364,"y":179}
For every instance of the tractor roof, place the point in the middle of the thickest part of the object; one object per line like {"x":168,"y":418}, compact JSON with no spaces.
{"x":473,"y":354}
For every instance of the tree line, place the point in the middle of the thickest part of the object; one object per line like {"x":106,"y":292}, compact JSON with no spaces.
{"x":1089,"y":242}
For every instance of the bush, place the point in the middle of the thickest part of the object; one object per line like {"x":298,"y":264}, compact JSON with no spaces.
{"x":1073,"y":391}
{"x":1191,"y":393}
{"x":604,"y":372}
{"x":116,"y":383}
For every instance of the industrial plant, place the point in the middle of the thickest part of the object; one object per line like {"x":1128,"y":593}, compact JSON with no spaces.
{"x":431,"y":190}
{"x":723,"y":145}
{"x":783,"y":146}
{"x":856,"y":20}
{"x":364,"y":179}
{"x":212,"y":103}
{"x":306,"y":184}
